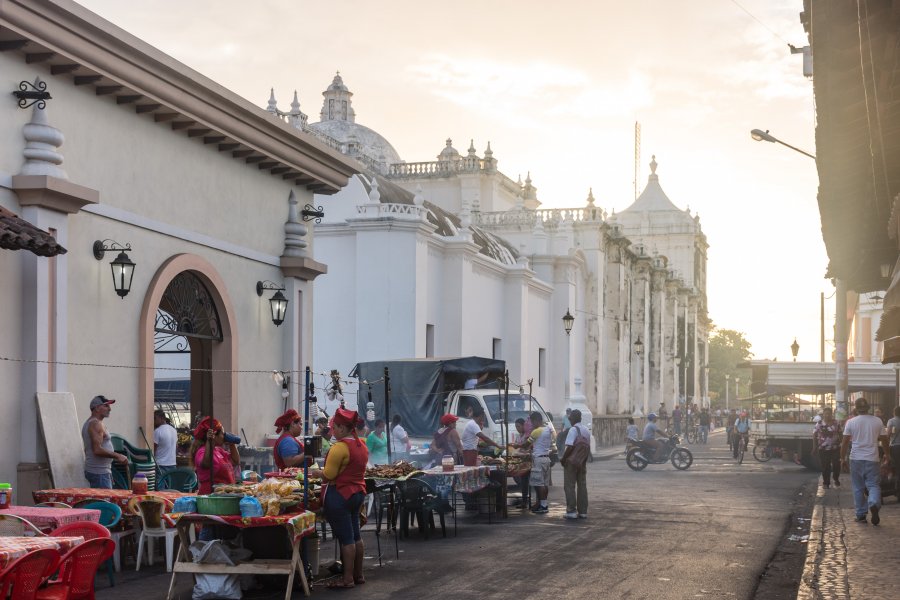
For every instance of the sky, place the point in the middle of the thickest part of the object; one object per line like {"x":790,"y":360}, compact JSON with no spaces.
{"x":556,"y":89}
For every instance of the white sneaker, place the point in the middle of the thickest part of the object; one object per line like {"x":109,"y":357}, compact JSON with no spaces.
{"x":582,"y":515}
{"x":571,"y":515}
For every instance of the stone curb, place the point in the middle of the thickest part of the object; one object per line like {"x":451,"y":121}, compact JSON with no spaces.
{"x":809,"y":587}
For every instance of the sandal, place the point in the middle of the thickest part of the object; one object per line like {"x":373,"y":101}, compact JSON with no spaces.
{"x":339,"y":585}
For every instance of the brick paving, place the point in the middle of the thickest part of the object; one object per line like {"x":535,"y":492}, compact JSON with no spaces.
{"x":846,"y":559}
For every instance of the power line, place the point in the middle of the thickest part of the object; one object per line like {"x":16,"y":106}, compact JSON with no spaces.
{"x":752,"y":16}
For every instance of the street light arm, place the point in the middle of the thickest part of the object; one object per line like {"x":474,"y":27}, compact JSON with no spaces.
{"x":764,"y":136}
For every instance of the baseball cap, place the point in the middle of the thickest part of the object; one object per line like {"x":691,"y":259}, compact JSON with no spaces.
{"x":100,"y":401}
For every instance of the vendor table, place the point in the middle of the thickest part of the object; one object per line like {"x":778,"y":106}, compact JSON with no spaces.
{"x":48,"y":518}
{"x":298,"y":525}
{"x":12,"y":548}
{"x":120,"y":497}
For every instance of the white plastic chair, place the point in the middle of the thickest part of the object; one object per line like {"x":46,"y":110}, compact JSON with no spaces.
{"x":150,"y":510}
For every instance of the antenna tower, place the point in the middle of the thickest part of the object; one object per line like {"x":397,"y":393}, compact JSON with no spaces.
{"x":637,"y":157}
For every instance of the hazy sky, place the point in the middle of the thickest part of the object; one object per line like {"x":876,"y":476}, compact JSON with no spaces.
{"x":556,"y":89}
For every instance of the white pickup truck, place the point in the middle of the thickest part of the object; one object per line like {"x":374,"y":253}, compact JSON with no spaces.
{"x":491,"y":401}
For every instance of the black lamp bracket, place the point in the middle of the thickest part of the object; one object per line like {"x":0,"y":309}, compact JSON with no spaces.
{"x":29,"y":94}
{"x":261,"y":286}
{"x":101,"y":247}
{"x":311,"y":212}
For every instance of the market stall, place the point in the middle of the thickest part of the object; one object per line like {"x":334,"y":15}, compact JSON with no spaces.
{"x":12,"y":548}
{"x":297,"y":526}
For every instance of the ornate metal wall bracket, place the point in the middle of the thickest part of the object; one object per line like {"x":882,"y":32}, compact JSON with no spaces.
{"x":101,"y":247}
{"x":311,"y":212}
{"x":30,"y":94}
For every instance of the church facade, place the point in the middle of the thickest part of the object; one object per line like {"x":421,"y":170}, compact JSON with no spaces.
{"x":451,"y":257}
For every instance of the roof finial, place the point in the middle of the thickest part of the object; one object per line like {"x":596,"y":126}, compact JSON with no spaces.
{"x":488,"y":153}
{"x":273,"y":105}
{"x":528,"y":178}
{"x":294,"y":230}
{"x":374,"y":194}
{"x":418,"y":199}
{"x":471,"y":147}
{"x":295,"y":105}
{"x":590,"y":198}
{"x":653,"y":165}
{"x":41,"y":143}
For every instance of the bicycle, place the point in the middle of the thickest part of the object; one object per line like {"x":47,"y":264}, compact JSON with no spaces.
{"x":763,"y":452}
{"x":693,"y":434}
{"x":742,"y":440}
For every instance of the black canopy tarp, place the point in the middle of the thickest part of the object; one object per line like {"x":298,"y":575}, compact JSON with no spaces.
{"x":420,"y":386}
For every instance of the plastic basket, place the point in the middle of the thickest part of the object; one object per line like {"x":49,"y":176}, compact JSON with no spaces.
{"x":219,"y":505}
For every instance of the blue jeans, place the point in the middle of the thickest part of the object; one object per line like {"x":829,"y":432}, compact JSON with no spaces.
{"x":704,"y":433}
{"x":99,"y":480}
{"x":865,"y":474}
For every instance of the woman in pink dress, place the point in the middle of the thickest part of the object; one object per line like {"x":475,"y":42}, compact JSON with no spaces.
{"x":213,"y":455}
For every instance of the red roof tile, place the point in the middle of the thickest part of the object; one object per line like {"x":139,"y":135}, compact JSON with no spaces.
{"x":19,"y":234}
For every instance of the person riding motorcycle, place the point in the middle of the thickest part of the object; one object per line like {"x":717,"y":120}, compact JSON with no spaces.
{"x":651,"y":431}
{"x":741,"y":432}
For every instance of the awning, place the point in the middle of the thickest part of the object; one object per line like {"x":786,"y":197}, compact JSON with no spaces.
{"x":18,"y":234}
{"x":819,"y":378}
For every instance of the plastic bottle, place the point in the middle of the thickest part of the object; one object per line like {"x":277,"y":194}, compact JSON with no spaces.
{"x":5,"y":495}
{"x":139,"y":484}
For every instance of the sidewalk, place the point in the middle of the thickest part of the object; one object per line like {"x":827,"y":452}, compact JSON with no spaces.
{"x":846,"y":559}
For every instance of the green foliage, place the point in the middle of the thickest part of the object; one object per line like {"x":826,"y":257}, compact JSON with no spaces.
{"x":727,"y":349}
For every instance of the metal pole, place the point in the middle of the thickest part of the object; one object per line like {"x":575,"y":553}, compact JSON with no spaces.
{"x":840,"y":351}
{"x":727,"y":385}
{"x":308,"y":377}
{"x":387,"y":412}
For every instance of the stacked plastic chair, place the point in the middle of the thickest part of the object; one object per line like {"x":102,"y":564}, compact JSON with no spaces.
{"x":25,"y":575}
{"x":140,"y":460}
{"x":79,"y":565}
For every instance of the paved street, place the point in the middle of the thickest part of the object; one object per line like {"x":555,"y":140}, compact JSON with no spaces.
{"x":708,"y":532}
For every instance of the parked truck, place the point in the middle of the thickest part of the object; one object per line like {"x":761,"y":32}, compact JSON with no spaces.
{"x":422,"y":390}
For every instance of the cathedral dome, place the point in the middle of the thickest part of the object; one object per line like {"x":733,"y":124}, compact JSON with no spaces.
{"x":338,"y":121}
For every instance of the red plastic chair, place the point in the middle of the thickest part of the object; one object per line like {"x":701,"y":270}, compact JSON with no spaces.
{"x":80,"y":566}
{"x":89,"y":531}
{"x":27,"y":573}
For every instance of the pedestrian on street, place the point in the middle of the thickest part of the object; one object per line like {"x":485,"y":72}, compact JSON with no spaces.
{"x":827,"y":442}
{"x":574,"y":462}
{"x":165,"y":440}
{"x":676,"y":419}
{"x":863,"y":432}
{"x":893,"y":431}
{"x":541,"y":441}
{"x":704,"y":426}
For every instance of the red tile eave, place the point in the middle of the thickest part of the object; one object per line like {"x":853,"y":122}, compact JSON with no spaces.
{"x":18,"y":234}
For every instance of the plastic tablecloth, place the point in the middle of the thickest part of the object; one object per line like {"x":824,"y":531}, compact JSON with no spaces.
{"x":49,"y":518}
{"x":300,"y":524}
{"x":120,"y":497}
{"x":463,"y":479}
{"x":12,"y":548}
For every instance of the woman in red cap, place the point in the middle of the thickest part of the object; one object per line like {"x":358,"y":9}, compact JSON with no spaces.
{"x":344,"y":492}
{"x":212,"y":455}
{"x":288,"y":450}
{"x":446,"y":441}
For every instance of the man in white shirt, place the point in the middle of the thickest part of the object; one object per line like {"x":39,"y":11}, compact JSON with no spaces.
{"x":472,"y":434}
{"x":165,"y":440}
{"x":861,"y":435}
{"x":542,"y":441}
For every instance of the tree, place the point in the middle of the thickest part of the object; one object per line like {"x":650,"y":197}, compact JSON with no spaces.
{"x":727,"y":349}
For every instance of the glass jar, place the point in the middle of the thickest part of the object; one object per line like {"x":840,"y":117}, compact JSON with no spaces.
{"x":139,"y":484}
{"x":448,"y":463}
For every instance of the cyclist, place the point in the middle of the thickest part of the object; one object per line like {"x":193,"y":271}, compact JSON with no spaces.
{"x":730,"y":418}
{"x":741,"y":432}
{"x":651,"y":431}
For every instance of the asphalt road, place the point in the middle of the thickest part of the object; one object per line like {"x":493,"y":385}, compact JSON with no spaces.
{"x":708,"y":532}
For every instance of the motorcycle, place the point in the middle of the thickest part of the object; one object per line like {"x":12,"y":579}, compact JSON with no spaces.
{"x":638,"y":455}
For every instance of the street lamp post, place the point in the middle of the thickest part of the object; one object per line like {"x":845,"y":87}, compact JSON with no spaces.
{"x":727,"y":388}
{"x":764,"y":136}
{"x":677,"y":371}
{"x":737,"y":390}
{"x":639,"y":351}
{"x":568,"y":322}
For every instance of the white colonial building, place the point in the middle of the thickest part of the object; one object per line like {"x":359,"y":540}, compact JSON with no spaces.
{"x":203,"y":190}
{"x":453,"y":258}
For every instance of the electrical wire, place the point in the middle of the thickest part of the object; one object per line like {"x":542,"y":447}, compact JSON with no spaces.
{"x":752,"y":16}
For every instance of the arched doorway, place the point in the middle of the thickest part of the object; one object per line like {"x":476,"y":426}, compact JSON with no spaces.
{"x":186,"y":304}
{"x":185,"y":328}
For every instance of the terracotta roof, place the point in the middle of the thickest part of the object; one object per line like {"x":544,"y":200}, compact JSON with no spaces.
{"x":19,"y":234}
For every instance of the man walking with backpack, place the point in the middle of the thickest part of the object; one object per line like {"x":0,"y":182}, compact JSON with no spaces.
{"x":574,"y":462}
